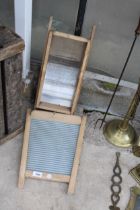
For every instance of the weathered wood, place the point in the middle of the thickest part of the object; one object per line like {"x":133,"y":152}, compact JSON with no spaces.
{"x":49,"y":87}
{"x":10,"y":43}
{"x":3,"y":84}
{"x":44,"y":115}
{"x":53,"y":107}
{"x":48,"y":176}
{"x":24,"y":151}
{"x":43,"y":69}
{"x":2,"y":130}
{"x":11,"y":47}
{"x":44,"y":56}
{"x":76,"y":161}
{"x":82,"y":70}
{"x":67,"y":49}
{"x":13,"y":76}
{"x":70,"y":36}
{"x":11,"y":135}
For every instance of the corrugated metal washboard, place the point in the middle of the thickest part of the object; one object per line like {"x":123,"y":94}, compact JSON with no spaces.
{"x":52,"y":146}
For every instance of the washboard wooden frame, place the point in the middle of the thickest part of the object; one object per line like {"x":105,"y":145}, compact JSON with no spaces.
{"x":59,"y":108}
{"x":69,"y":119}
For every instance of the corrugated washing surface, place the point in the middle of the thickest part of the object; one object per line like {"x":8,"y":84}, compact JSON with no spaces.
{"x":52,"y":146}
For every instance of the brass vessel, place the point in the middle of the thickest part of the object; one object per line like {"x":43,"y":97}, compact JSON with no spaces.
{"x":134,"y":201}
{"x":135,"y":173}
{"x":119,"y":132}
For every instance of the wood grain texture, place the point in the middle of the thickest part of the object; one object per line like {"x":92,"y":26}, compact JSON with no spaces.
{"x":2,"y":129}
{"x":10,"y":43}
{"x":37,"y":100}
{"x":92,"y":34}
{"x":82,"y":70}
{"x":44,"y":72}
{"x":67,"y":49}
{"x":13,"y":76}
{"x":48,"y":176}
{"x":24,"y":151}
{"x":43,"y":69}
{"x":50,"y":23}
{"x":49,"y":89}
{"x":70,"y":36}
{"x":11,"y":135}
{"x":44,"y":115}
{"x":11,"y":47}
{"x":53,"y":107}
{"x":80,"y":78}
{"x":76,"y":162}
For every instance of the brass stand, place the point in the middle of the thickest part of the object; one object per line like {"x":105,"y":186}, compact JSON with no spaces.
{"x":117,"y":136}
{"x":135,"y":173}
{"x":134,"y":203}
{"x":119,"y":132}
{"x":136,"y":148}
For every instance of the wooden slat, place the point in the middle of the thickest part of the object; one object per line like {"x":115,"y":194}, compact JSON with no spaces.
{"x":71,"y":187}
{"x":2,"y":122}
{"x":48,"y":176}
{"x":11,"y":135}
{"x":70,"y":36}
{"x":10,"y":43}
{"x":82,"y":71}
{"x":12,"y":50}
{"x":80,"y":78}
{"x":44,"y":55}
{"x":92,"y":34}
{"x":43,"y":69}
{"x":68,"y":50}
{"x":24,"y":151}
{"x":43,"y":115}
{"x":50,"y":23}
{"x":53,"y":107}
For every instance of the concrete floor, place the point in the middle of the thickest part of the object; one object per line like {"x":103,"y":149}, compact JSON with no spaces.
{"x":93,"y":181}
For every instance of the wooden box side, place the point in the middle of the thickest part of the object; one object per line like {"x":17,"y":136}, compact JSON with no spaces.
{"x":10,"y":43}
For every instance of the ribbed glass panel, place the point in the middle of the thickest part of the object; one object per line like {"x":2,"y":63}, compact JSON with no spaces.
{"x":52,"y":146}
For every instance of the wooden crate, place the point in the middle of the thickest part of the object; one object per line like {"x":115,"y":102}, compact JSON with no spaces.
{"x":11,"y":48}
